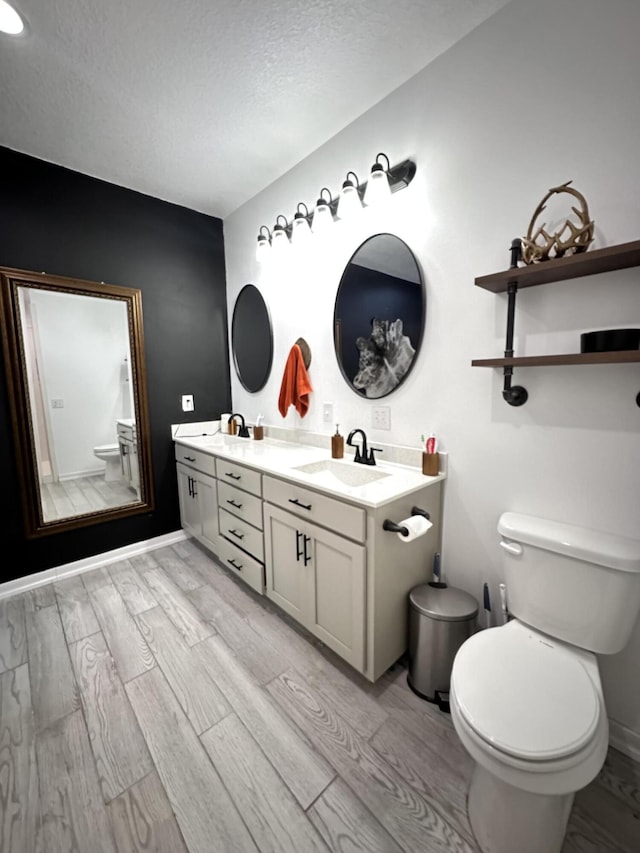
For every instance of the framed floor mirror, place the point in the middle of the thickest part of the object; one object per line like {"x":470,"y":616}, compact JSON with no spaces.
{"x":76,"y":379}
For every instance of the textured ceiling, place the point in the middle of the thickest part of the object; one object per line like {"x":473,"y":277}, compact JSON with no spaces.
{"x":206,"y":103}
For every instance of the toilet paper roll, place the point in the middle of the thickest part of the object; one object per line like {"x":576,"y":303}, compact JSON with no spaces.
{"x":417,"y":525}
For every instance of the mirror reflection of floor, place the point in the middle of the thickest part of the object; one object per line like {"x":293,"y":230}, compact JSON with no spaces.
{"x":84,"y":494}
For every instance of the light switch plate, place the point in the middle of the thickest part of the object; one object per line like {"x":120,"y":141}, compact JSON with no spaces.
{"x":327,"y":413}
{"x":381,"y":417}
{"x":187,"y":402}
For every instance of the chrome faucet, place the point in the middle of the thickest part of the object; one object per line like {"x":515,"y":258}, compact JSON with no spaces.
{"x":243,"y":430}
{"x":363,"y":455}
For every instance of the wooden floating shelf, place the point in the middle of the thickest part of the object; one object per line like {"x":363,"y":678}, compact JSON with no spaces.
{"x":618,"y":357}
{"x":619,"y":257}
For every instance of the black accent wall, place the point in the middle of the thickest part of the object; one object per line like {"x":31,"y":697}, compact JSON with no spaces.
{"x":64,"y":223}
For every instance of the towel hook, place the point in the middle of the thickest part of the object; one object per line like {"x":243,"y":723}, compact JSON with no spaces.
{"x":305,"y":350}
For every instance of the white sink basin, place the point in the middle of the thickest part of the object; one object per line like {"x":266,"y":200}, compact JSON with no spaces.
{"x":348,"y":473}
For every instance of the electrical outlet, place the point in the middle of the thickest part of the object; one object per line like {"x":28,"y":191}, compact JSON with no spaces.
{"x":327,"y":413}
{"x":57,"y":404}
{"x":187,"y":402}
{"x":381,"y":417}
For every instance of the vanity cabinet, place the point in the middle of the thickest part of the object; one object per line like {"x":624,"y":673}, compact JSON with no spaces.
{"x":241,"y":544}
{"x":128,"y":443}
{"x":324,"y":559}
{"x":197,"y":494}
{"x":318,"y":578}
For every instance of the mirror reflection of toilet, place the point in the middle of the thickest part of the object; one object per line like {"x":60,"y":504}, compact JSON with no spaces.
{"x":526,"y":698}
{"x":110,"y":455}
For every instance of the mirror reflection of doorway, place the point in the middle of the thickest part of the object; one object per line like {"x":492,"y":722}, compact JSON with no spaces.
{"x":45,"y":455}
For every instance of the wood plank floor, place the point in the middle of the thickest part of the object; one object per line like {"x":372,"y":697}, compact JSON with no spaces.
{"x":84,"y":494}
{"x":160,"y":705}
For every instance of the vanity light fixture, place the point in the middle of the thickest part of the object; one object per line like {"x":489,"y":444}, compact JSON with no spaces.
{"x":10,"y":21}
{"x":381,"y":184}
{"x":264,"y":245}
{"x":279,"y":235}
{"x":322,"y":215}
{"x":300,"y":230}
{"x":378,"y":190}
{"x":350,"y":202}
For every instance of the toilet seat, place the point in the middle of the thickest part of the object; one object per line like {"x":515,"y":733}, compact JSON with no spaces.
{"x":107,"y":448}
{"x":524,"y":694}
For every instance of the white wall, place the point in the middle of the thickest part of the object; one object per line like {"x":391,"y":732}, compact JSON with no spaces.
{"x":542,"y":93}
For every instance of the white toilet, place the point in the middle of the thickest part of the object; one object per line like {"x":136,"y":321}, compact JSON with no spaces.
{"x":526,"y":698}
{"x":110,"y":455}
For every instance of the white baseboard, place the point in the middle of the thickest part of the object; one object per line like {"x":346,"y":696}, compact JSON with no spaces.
{"x":624,"y":740}
{"x":67,"y":570}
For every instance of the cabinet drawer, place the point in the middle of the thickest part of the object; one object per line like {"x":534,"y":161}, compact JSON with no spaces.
{"x":241,"y":504}
{"x":196,"y":459}
{"x":243,"y":535}
{"x":241,"y":564}
{"x":238,"y":475}
{"x":340,"y":517}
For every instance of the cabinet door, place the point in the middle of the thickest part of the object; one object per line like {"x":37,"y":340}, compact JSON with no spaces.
{"x":189,"y":509}
{"x":337,"y":596}
{"x":207,"y":498}
{"x":319,"y":579}
{"x":286,"y":573}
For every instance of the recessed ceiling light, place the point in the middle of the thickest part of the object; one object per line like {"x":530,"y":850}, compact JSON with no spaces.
{"x":10,"y":21}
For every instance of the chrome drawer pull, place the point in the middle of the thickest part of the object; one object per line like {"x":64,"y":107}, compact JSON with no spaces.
{"x":233,"y":503}
{"x":233,"y":476}
{"x":297,"y":503}
{"x":233,"y":563}
{"x":236,"y":534}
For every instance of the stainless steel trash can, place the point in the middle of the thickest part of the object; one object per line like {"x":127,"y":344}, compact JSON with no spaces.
{"x":441,"y":618}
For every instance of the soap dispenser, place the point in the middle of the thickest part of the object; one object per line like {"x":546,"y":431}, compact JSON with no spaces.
{"x":337,"y":444}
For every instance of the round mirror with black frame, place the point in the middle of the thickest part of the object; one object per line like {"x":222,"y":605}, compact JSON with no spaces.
{"x":251,"y":339}
{"x":379,"y":316}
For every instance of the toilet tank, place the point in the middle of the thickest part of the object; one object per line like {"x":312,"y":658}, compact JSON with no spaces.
{"x":575,"y":584}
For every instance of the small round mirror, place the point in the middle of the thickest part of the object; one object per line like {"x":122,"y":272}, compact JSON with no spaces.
{"x":251,"y":339}
{"x":379,"y":316}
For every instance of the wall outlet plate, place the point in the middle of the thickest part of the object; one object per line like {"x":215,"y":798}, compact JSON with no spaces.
{"x":187,"y":402}
{"x":381,"y":417}
{"x":327,"y":413}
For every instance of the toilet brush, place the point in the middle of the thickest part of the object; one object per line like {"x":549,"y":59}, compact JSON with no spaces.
{"x":487,"y":606}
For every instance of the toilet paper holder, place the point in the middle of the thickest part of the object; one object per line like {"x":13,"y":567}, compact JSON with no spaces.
{"x":392,"y":527}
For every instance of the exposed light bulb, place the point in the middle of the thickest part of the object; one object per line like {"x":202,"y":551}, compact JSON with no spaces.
{"x":378,"y":190}
{"x":262,"y":249}
{"x":349,"y":203}
{"x":322,"y":216}
{"x":300,"y":231}
{"x":279,"y":237}
{"x":10,"y":21}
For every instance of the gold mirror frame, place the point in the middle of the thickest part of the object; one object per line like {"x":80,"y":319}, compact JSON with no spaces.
{"x":11,"y":280}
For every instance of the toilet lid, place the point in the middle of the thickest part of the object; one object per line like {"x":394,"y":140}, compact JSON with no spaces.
{"x":524,"y":695}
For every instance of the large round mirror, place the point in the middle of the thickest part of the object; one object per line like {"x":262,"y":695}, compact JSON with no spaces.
{"x":251,"y":339}
{"x":379,"y":316}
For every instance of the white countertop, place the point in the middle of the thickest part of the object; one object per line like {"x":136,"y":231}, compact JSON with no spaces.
{"x":283,"y":458}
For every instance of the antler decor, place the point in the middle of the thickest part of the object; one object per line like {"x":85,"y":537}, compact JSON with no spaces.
{"x":539,"y":245}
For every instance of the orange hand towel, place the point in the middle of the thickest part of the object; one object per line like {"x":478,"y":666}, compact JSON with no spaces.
{"x":296,"y":386}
